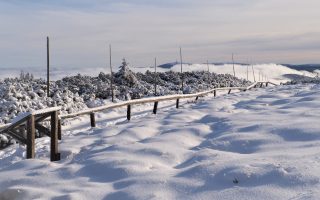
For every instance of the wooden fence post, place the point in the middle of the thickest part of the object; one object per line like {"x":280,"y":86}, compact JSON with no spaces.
{"x":55,"y":156}
{"x":59,"y":129}
{"x":215,"y":93}
{"x":128,"y":112}
{"x":155,"y":107}
{"x":197,"y":98}
{"x":229,"y":91}
{"x":177,"y":103}
{"x":92,"y":120}
{"x":31,"y":132}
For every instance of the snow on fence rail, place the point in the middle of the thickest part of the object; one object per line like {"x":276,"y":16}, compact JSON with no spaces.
{"x":155,"y":100}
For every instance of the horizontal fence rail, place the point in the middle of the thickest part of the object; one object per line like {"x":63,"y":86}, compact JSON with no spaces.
{"x":23,"y":130}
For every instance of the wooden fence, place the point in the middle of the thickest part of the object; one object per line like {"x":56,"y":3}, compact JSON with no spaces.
{"x":30,"y":122}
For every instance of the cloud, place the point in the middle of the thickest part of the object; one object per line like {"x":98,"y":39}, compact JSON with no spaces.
{"x":80,"y":31}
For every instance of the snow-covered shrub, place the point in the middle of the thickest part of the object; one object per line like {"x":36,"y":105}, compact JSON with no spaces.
{"x":79,"y":92}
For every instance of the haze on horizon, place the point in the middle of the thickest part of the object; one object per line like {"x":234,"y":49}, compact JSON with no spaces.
{"x":261,"y":31}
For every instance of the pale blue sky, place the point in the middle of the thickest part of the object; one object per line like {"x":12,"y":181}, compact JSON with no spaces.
{"x":278,"y":31}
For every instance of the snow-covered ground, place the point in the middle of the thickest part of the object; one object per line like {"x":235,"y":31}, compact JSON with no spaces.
{"x":260,"y":144}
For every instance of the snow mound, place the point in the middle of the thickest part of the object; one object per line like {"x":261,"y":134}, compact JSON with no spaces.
{"x":260,"y":144}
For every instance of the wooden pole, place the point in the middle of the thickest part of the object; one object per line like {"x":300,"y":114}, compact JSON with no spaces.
{"x":31,"y":133}
{"x":111,"y":75}
{"x":128,"y":112}
{"x":234,"y":72}
{"x":92,"y":120}
{"x":59,"y":129}
{"x":155,"y":107}
{"x":259,"y":75}
{"x":254,"y":77}
{"x":155,"y":76}
{"x":182,"y":77}
{"x":208,"y":73}
{"x":214,"y":93}
{"x":177,"y":103}
{"x":48,"y":68}
{"x":54,"y":137}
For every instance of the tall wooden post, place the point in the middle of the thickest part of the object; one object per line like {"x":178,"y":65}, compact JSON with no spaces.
{"x":182,"y":77}
{"x":54,"y":155}
{"x":111,"y":75}
{"x":59,"y":130}
{"x":128,"y":112}
{"x":92,"y":120}
{"x":234,"y":72}
{"x":48,"y":68}
{"x":155,"y":107}
{"x":31,"y":135}
{"x":254,"y":77}
{"x":155,"y":76}
{"x":208,"y":72}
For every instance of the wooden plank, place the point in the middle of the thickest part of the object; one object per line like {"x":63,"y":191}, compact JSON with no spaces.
{"x":16,"y":136}
{"x":128,"y":112}
{"x":54,"y":154}
{"x":17,"y":123}
{"x":92,"y":120}
{"x":31,"y":132}
{"x":177,"y":103}
{"x":42,"y":117}
{"x":43,"y":129}
{"x":155,"y":107}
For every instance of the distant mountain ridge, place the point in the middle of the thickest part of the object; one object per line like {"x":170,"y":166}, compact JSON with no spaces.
{"x":302,"y":67}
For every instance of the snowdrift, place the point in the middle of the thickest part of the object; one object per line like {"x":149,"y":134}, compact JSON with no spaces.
{"x":262,"y":144}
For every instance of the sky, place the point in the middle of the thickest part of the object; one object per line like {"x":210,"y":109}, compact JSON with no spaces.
{"x":80,"y":31}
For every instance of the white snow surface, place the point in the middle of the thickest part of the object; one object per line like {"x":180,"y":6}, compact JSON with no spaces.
{"x":259,"y":144}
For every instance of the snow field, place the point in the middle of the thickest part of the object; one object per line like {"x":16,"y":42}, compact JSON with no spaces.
{"x":260,"y":144}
